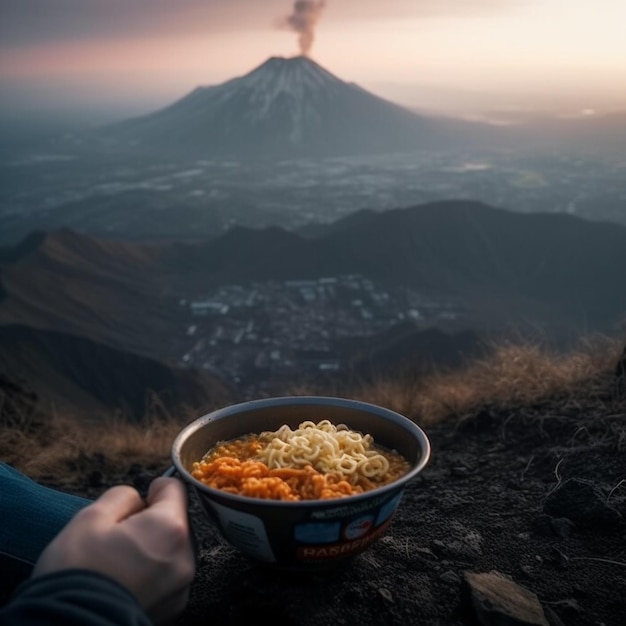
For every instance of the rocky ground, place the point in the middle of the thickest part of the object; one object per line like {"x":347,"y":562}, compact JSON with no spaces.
{"x":518,"y":519}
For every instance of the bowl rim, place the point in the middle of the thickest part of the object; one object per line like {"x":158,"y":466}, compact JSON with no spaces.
{"x":409,"y":425}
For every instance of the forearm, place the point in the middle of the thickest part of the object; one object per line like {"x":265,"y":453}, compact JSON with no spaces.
{"x":72,"y":598}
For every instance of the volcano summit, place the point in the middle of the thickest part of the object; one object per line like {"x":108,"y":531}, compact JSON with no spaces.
{"x":286,"y":107}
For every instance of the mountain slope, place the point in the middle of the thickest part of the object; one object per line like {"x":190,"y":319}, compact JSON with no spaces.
{"x":535,"y":266}
{"x":407,"y":351}
{"x":80,"y":375}
{"x":107,"y":291}
{"x":536,"y":269}
{"x":284,"y":107}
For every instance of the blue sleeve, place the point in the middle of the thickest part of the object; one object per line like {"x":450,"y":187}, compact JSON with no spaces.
{"x":73,"y":598}
{"x":32,"y":515}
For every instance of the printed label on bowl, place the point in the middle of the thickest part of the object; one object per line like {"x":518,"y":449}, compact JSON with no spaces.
{"x":344,"y":510}
{"x":328,"y":540}
{"x":387,"y":510}
{"x":317,"y":532}
{"x":337,"y":550}
{"x":358,"y":527}
{"x":246,"y":532}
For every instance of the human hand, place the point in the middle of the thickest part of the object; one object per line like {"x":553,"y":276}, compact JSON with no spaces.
{"x":145,"y":546}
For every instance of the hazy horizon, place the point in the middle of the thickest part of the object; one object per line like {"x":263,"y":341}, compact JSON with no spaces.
{"x":108,"y":60}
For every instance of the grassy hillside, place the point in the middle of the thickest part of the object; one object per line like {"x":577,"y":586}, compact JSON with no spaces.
{"x":66,"y":450}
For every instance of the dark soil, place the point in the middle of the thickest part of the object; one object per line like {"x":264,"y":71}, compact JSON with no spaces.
{"x":536,"y":493}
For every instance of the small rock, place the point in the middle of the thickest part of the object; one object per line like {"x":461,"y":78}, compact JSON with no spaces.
{"x":583,"y":503}
{"x":498,"y":600}
{"x":460,"y":543}
{"x":385,"y":593}
{"x":460,"y":471}
{"x":439,"y":546}
{"x":450,"y":577}
{"x":425,"y":553}
{"x":553,"y":618}
{"x":467,"y":547}
{"x":528,"y":571}
{"x":562,"y":527}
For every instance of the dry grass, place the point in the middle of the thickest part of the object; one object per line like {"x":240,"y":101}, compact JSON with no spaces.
{"x":62,"y":445}
{"x":513,"y":375}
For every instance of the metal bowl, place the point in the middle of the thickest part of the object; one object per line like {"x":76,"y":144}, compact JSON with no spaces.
{"x":311,"y":534}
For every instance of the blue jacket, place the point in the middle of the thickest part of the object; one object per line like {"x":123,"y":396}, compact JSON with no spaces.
{"x":73,"y":597}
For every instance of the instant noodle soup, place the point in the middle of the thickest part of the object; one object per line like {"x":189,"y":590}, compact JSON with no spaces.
{"x":307,"y":504}
{"x":315,"y":461}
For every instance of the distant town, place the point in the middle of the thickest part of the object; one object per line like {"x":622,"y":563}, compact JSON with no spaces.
{"x":278,"y":330}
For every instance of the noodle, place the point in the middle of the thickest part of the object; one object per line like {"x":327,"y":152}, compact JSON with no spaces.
{"x":314,"y":461}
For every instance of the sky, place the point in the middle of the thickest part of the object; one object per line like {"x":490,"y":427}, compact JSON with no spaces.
{"x":467,"y":57}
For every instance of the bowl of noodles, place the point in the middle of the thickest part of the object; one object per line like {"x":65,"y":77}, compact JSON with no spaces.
{"x":301,"y":482}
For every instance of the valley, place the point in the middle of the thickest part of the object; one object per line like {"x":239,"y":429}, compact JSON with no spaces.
{"x":258,"y":309}
{"x":289,"y":227}
{"x":289,"y":144}
{"x":161,"y":199}
{"x":256,"y":337}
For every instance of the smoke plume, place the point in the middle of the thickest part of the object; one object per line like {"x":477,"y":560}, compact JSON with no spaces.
{"x":303,"y":20}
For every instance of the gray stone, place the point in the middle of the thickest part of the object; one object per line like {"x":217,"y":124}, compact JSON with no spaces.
{"x":562,"y":527}
{"x":450,"y":577}
{"x":497,"y":600}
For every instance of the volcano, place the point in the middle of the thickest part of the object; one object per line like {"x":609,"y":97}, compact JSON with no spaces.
{"x":285,"y":107}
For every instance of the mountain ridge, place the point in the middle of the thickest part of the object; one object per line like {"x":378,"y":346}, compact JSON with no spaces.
{"x":459,"y":247}
{"x":505,"y":273}
{"x":507,"y":267}
{"x":79,"y":375}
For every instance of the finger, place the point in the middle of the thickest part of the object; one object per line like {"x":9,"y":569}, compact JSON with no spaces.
{"x":117,"y":504}
{"x":167,"y":493}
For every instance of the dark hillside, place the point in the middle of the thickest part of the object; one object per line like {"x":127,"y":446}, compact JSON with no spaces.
{"x":78,"y":375}
{"x":107,"y":291}
{"x":543,"y":267}
{"x":29,"y":244}
{"x":407,"y":352}
{"x":545,"y":272}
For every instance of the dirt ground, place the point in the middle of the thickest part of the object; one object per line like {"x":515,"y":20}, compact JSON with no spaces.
{"x":531,"y":497}
{"x":536,"y":494}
